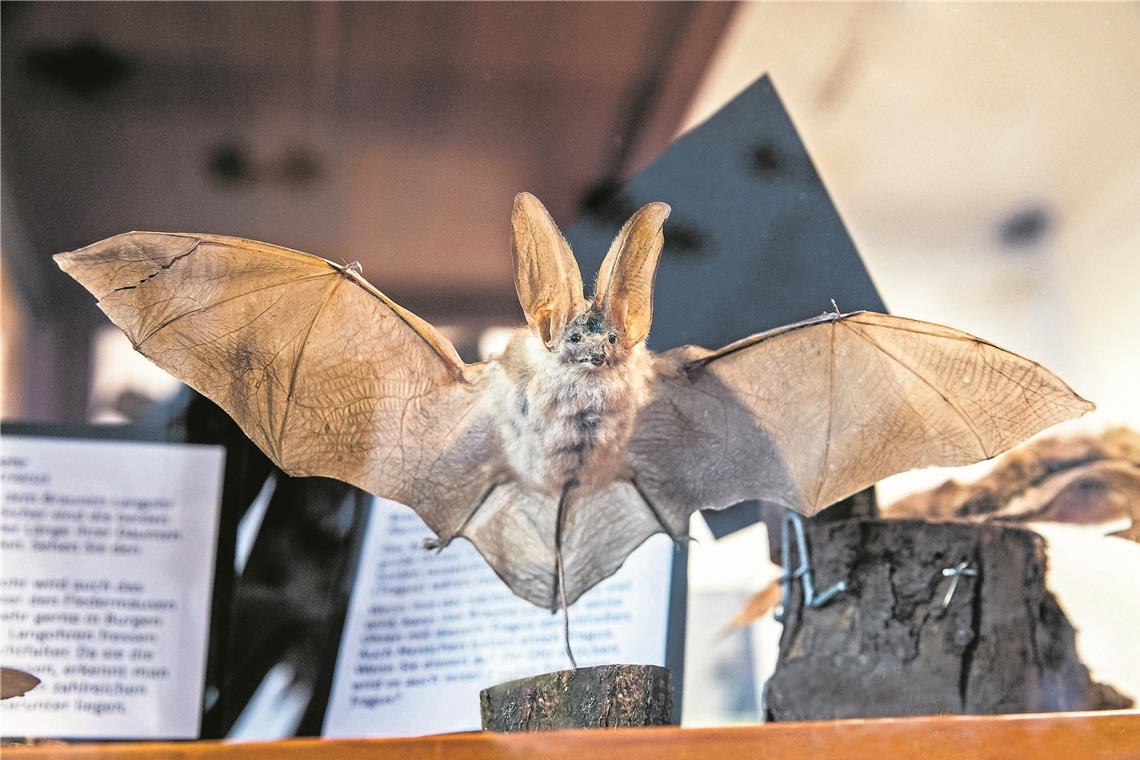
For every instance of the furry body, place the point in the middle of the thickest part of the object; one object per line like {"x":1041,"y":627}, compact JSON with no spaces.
{"x":566,"y":423}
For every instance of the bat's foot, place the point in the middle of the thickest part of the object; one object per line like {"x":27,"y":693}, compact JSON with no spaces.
{"x":438,"y":544}
{"x":351,"y":266}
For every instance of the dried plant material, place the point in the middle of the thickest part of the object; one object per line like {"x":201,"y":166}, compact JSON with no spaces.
{"x":759,"y":605}
{"x":16,"y":683}
{"x":1085,"y":480}
{"x":561,"y":456}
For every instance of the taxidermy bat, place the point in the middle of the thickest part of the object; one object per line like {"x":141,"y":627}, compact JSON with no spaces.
{"x":562,"y":455}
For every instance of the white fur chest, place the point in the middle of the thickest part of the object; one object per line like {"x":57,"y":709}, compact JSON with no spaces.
{"x":569,"y":423}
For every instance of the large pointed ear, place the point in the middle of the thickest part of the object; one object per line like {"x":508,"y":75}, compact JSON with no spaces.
{"x":546,"y":276}
{"x":625,"y":282}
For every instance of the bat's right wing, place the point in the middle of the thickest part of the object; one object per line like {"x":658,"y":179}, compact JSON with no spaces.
{"x":326,"y":374}
{"x":810,"y":413}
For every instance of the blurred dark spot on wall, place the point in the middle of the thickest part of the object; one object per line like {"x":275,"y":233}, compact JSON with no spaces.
{"x":84,"y":68}
{"x":1026,"y":227}
{"x":684,"y":240}
{"x":766,"y":160}
{"x":299,"y":167}
{"x":230,"y":164}
{"x":605,"y":203}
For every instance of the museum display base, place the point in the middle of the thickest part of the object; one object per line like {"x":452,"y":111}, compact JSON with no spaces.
{"x":1091,"y":736}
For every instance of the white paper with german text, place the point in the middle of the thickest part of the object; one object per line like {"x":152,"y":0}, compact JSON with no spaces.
{"x":108,"y":566}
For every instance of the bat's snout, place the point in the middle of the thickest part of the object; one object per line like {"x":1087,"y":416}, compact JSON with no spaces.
{"x":598,"y":358}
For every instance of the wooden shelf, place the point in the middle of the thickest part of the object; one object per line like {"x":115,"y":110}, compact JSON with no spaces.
{"x":1096,"y":736}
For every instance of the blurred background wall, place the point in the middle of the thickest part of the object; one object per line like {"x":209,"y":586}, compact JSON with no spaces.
{"x":393,"y":134}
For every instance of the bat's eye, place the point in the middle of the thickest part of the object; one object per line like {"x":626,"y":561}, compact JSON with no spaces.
{"x":613,"y":339}
{"x":575,"y":337}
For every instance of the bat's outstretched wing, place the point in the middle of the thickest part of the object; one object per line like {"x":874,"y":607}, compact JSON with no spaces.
{"x":321,"y":370}
{"x":810,"y":413}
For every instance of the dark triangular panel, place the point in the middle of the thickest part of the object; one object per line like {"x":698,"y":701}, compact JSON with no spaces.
{"x":754,"y":241}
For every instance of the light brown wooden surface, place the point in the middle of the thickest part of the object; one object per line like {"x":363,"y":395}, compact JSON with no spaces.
{"x":1064,"y":735}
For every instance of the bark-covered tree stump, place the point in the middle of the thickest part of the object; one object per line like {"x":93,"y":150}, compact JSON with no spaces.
{"x":887,"y":646}
{"x":606,"y":696}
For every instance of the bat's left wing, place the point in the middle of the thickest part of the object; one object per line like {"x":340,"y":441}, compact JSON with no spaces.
{"x":810,"y":413}
{"x":326,"y":374}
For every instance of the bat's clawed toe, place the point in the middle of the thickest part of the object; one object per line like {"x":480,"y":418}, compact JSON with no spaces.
{"x":437,"y":544}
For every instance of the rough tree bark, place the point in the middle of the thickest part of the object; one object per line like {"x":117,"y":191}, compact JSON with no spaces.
{"x":606,"y":696}
{"x":887,"y":646}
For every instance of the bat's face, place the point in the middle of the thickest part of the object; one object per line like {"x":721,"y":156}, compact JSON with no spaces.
{"x":592,"y":340}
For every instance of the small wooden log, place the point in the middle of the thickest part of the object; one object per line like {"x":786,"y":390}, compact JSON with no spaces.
{"x":888,"y":647}
{"x":606,"y":696}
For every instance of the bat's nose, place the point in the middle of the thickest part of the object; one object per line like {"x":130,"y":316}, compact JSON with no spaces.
{"x":598,"y":358}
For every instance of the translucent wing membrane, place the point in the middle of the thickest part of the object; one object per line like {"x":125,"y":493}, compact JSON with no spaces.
{"x":811,"y":413}
{"x":322,"y":371}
